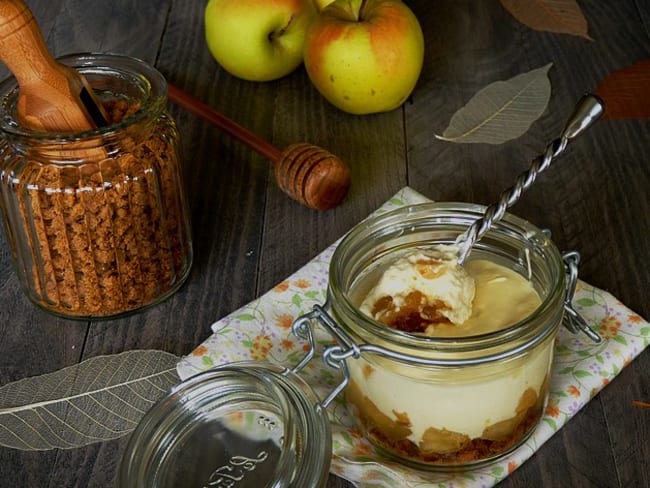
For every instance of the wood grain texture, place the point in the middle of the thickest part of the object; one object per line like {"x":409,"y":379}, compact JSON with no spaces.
{"x":248,"y":235}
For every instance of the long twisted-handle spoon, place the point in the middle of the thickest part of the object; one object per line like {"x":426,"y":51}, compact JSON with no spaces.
{"x":587,"y":111}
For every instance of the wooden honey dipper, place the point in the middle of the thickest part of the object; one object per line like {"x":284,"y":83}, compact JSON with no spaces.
{"x":52,"y":97}
{"x":307,"y":173}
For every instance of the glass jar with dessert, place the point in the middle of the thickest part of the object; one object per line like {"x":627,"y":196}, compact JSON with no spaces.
{"x":447,"y":366}
{"x":97,"y":220}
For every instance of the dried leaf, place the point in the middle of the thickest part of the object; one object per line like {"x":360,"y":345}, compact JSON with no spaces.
{"x":501,"y":111}
{"x":96,"y":400}
{"x":626,"y":92}
{"x":560,"y":16}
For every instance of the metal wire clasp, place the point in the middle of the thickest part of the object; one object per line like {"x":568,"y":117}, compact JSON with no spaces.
{"x":572,"y":319}
{"x":335,"y":355}
{"x":345,"y":348}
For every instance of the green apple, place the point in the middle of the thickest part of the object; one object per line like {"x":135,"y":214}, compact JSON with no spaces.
{"x":321,"y":4}
{"x":258,"y":40}
{"x":365,"y":56}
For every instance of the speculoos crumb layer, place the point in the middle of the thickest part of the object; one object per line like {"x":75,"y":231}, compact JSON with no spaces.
{"x":107,"y":236}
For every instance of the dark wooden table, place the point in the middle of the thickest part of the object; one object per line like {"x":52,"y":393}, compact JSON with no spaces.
{"x":248,"y":235}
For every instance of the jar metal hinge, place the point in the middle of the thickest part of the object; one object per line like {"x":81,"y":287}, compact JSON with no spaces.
{"x":334,"y":356}
{"x":572,"y":320}
{"x":344,"y":348}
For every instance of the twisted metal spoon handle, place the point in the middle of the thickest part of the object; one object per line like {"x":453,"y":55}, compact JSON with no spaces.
{"x":587,"y":111}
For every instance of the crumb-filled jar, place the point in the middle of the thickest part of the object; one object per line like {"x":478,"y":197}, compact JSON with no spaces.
{"x":98,"y":221}
{"x":452,"y":399}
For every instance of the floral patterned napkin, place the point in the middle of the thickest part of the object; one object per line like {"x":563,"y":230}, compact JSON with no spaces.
{"x":261,"y":330}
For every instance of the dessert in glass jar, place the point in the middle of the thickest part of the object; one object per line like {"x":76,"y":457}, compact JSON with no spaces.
{"x":470,"y":348}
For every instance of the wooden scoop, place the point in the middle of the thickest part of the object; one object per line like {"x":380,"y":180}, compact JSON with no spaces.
{"x":309,"y":174}
{"x":52,"y":97}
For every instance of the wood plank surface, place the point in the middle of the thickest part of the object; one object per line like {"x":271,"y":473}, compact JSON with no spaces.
{"x":248,"y":235}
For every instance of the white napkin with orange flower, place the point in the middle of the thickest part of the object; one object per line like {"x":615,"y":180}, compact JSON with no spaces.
{"x":261,"y":330}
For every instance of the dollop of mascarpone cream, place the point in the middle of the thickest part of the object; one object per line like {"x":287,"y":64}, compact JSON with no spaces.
{"x":436,"y":274}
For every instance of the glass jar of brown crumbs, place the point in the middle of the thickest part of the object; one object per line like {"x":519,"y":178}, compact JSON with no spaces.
{"x":98,"y":221}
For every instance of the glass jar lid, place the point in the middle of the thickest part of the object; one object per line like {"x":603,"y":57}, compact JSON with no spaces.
{"x":243,"y":424}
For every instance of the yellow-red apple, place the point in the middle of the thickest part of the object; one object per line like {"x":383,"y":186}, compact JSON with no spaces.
{"x":365,"y":56}
{"x":258,"y":40}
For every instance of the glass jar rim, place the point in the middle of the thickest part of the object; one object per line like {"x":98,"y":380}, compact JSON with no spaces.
{"x":93,"y":63}
{"x":210,"y":394}
{"x":435,"y":212}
